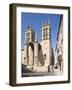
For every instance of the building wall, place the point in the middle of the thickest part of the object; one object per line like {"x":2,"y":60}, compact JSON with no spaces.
{"x":59,"y":46}
{"x":46,"y":50}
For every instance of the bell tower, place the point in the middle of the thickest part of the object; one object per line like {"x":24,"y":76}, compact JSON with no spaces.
{"x":29,"y":46}
{"x":46,"y":31}
{"x":46,"y":42}
{"x":29,"y":35}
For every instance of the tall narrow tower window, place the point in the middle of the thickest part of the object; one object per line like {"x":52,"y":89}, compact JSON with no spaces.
{"x":28,"y":38}
{"x":44,"y":33}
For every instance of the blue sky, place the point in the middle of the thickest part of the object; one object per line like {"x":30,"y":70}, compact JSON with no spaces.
{"x":35,"y":20}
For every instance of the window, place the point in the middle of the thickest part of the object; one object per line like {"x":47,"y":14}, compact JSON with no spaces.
{"x":44,"y":56}
{"x":44,"y":33}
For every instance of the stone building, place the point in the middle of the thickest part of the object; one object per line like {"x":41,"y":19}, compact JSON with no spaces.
{"x":38,"y":56}
{"x":59,"y":47}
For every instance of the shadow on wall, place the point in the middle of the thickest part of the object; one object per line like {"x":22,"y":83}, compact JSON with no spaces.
{"x":41,"y":58}
{"x":30,"y":53}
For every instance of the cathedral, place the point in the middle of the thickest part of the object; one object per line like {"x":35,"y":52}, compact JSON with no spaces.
{"x":38,"y":56}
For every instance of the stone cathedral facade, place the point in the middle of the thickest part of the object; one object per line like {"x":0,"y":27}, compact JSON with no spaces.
{"x":37,"y":56}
